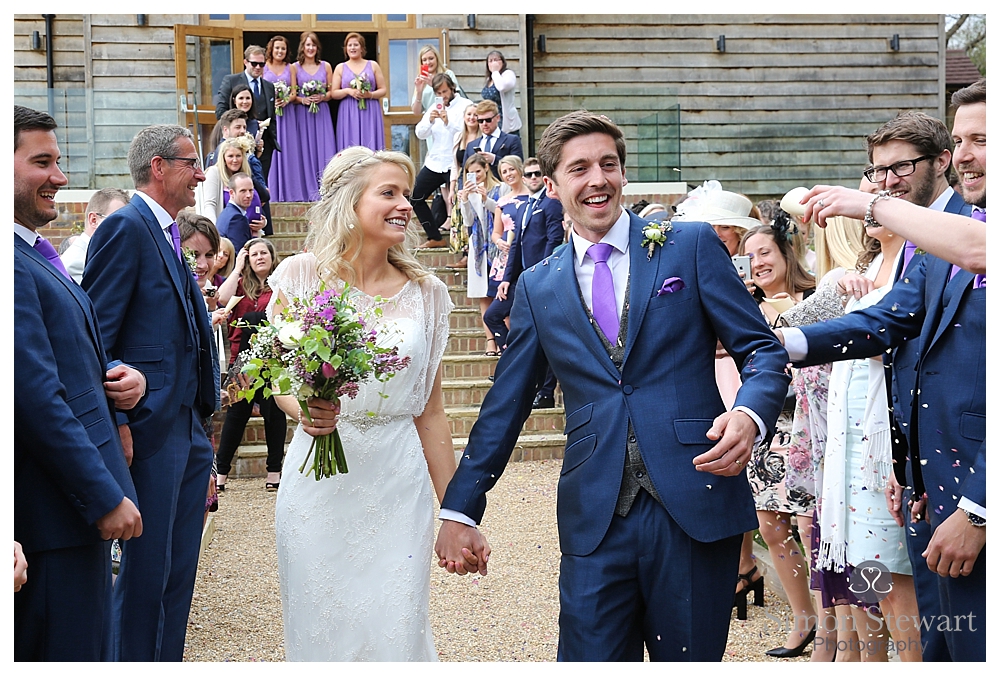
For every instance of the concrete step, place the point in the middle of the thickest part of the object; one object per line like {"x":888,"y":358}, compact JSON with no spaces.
{"x":541,"y":421}
{"x":466,"y":392}
{"x":460,"y":296}
{"x":529,"y":447}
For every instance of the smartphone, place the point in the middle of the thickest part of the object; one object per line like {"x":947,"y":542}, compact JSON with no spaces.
{"x":742,"y":264}
{"x":470,"y":178}
{"x":424,"y":70}
{"x":439,"y":102}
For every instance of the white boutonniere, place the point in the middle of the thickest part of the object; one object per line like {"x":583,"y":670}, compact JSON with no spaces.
{"x":654,"y":234}
{"x":191,"y":258}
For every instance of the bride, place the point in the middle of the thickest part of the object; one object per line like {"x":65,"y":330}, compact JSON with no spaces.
{"x":354,"y":550}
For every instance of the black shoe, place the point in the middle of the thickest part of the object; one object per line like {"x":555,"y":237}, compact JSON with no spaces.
{"x":490,"y":378}
{"x":793,"y":652}
{"x":755,"y":586}
{"x":544,"y":401}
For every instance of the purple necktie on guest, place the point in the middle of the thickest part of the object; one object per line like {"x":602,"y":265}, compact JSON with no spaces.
{"x":979,"y":281}
{"x":44,"y":247}
{"x":604,"y":306}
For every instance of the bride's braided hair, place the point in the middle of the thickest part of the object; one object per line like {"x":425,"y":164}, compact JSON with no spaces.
{"x":335,"y":236}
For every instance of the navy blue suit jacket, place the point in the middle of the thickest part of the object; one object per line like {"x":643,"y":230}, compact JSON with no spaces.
{"x":947,"y":423}
{"x":506,"y":144}
{"x":232,"y":223}
{"x":666,"y":388}
{"x":152,"y":316}
{"x":540,"y":237}
{"x":69,"y":469}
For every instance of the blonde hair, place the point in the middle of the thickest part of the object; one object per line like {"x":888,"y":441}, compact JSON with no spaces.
{"x":225,"y":244}
{"x":220,"y":162}
{"x":334,"y":237}
{"x":839,"y":244}
{"x":437,"y":57}
{"x":512,"y":160}
{"x":491,"y":180}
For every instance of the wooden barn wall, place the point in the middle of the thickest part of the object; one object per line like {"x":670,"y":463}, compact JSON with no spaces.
{"x":122,"y":83}
{"x":788,"y":103}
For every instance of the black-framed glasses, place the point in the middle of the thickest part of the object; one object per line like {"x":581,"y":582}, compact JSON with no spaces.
{"x":533,"y":174}
{"x":191,"y":162}
{"x":485,"y":119}
{"x":900,"y":169}
{"x":256,"y":64}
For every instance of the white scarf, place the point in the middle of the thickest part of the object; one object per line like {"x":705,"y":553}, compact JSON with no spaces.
{"x":877,"y":449}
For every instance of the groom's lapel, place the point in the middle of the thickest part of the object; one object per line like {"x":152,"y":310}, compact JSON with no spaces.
{"x":642,"y":278}
{"x":567,"y":293}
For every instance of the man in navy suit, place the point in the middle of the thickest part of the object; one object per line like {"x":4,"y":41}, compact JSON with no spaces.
{"x":919,"y":147}
{"x":234,"y":223}
{"x":72,"y":489}
{"x":263,"y":96}
{"x":538,"y":231}
{"x":492,"y":144}
{"x":152,"y":315}
{"x":941,"y":308}
{"x":652,"y":501}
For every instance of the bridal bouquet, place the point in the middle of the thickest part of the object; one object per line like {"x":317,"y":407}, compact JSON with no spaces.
{"x":319,"y":347}
{"x":362,"y":84}
{"x":312,"y":88}
{"x":282,"y":92}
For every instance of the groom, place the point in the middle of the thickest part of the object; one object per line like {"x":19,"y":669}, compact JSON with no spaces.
{"x":652,"y":502}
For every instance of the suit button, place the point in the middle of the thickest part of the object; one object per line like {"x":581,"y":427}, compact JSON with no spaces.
{"x":631,"y":438}
{"x":627,"y":389}
{"x":639,"y":474}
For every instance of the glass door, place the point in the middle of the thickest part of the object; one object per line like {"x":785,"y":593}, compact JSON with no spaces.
{"x":402,"y":45}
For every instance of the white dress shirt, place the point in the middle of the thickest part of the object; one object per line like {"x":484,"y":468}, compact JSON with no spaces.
{"x":440,"y":158}
{"x":162,"y":217}
{"x":75,"y":257}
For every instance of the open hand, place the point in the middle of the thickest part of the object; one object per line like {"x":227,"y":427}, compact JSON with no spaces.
{"x":735,"y":431}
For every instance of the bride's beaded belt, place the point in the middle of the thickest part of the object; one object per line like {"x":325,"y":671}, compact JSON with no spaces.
{"x":365,"y":422}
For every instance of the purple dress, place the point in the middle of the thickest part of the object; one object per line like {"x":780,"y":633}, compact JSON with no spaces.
{"x":285,"y":129}
{"x":356,"y":127}
{"x":307,"y":144}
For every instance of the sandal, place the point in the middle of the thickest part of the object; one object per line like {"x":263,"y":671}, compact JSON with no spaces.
{"x":492,"y":353}
{"x":271,"y":486}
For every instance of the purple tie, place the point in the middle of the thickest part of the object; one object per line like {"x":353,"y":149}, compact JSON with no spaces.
{"x":908,"y":250}
{"x":980,"y":280}
{"x":44,"y":247}
{"x":604,"y":306}
{"x":175,"y":235}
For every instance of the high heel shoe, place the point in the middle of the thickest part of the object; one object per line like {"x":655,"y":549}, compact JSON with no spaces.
{"x":793,"y":652}
{"x":755,"y":586}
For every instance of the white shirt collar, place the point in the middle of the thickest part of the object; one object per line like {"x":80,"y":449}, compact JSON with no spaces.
{"x":161,"y":215}
{"x":942,"y":201}
{"x":617,"y":237}
{"x":27,"y":234}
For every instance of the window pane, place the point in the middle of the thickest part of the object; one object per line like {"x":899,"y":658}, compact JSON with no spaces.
{"x":344,"y":17}
{"x":395,"y":17}
{"x":273,"y":17}
{"x":219,"y":17}
{"x":403,"y":68}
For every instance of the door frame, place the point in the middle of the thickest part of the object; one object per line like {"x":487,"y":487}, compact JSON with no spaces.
{"x":194,"y":115}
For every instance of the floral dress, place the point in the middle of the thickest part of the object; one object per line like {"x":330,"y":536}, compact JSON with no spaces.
{"x":508,"y":205}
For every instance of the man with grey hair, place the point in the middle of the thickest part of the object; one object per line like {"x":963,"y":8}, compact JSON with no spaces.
{"x":151,"y":313}
{"x":104,"y":202}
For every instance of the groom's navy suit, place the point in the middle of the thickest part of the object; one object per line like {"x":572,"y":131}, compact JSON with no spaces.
{"x":69,"y":469}
{"x":677,"y":595}
{"x":947,"y":415}
{"x":152,"y":316}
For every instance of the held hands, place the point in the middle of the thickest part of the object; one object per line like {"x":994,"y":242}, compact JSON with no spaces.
{"x":324,"y":414}
{"x":461,"y":549}
{"x":735,"y":431}
{"x":123,"y":522}
{"x":955,"y":546}
{"x":125,"y":386}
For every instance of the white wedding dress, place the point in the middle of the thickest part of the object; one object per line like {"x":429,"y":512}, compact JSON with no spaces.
{"x":354,"y":550}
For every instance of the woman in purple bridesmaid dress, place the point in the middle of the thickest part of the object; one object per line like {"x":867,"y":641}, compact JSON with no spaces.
{"x":311,"y":140}
{"x":277,"y":69}
{"x":357,"y":126}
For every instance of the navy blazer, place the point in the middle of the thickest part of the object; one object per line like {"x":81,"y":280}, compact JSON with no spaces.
{"x":947,"y":424}
{"x":152,"y":316}
{"x":542,"y":234}
{"x":666,"y":388}
{"x":233,"y":223}
{"x":263,"y":108}
{"x":506,"y":144}
{"x":69,"y":468}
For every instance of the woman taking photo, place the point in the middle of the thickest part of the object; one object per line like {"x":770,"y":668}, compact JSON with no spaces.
{"x":311,"y":139}
{"x":423,"y":92}
{"x":499,"y":88}
{"x":254,"y":263}
{"x":359,"y":118}
{"x":478,"y":201}
{"x":778,"y":276}
{"x":277,"y":69}
{"x":505,"y":216}
{"x":378,"y":608}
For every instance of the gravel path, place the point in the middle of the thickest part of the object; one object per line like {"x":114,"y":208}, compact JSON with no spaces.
{"x":509,"y":615}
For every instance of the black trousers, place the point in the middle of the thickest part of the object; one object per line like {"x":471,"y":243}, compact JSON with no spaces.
{"x":426,"y":183}
{"x":494,"y":318}
{"x":275,"y":426}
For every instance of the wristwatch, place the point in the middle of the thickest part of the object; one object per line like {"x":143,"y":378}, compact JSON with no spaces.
{"x":975,"y":519}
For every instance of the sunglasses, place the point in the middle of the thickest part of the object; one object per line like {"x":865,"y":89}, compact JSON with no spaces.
{"x":485,"y":119}
{"x":533,"y":174}
{"x":256,"y":64}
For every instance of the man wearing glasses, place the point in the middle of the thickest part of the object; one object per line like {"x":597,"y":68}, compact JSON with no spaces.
{"x":105,"y":202}
{"x":493,"y":144}
{"x":263,"y":98}
{"x":151,"y":313}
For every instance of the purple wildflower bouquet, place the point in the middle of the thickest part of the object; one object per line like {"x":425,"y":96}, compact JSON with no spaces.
{"x":362,"y":84}
{"x":319,"y":347}
{"x":312,"y":88}
{"x":282,"y":92}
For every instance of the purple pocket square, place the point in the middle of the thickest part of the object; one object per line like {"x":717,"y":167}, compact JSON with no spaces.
{"x":671,"y":284}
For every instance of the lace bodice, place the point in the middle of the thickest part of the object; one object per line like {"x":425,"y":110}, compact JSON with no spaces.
{"x":415,"y":320}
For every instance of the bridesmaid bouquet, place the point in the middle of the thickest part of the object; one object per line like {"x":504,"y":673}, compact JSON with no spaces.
{"x":362,"y":84}
{"x":282,"y":92}
{"x":312,"y":88}
{"x":319,"y":347}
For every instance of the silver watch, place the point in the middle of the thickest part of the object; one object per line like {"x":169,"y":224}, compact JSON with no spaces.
{"x":975,"y":519}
